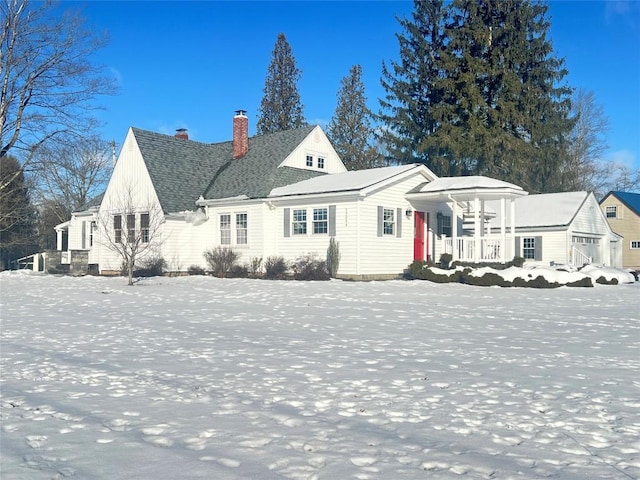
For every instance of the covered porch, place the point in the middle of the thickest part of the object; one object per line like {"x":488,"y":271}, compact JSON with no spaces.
{"x":460,"y":203}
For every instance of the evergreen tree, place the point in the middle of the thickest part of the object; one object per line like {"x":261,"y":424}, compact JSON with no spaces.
{"x":410,"y":85}
{"x":350,"y":128}
{"x":281,"y":108}
{"x":497,"y":103}
{"x":17,"y":215}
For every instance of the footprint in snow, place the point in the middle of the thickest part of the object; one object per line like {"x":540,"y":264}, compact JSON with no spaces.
{"x":363,"y":461}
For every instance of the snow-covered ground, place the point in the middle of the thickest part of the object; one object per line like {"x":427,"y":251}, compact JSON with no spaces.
{"x":197,"y":377}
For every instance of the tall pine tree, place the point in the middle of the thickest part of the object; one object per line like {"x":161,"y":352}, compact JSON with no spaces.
{"x":410,"y":85}
{"x":350,"y":129}
{"x":499,"y":106}
{"x":281,"y":108}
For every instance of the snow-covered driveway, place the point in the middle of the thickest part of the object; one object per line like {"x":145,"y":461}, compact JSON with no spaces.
{"x":197,"y":377}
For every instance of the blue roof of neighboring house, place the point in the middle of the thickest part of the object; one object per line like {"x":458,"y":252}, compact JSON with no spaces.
{"x":631,"y":200}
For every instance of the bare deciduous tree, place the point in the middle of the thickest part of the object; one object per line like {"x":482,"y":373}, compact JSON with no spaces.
{"x":622,"y":177}
{"x":47,"y":81}
{"x":70,"y":173}
{"x":586,"y":168}
{"x":130,"y":230}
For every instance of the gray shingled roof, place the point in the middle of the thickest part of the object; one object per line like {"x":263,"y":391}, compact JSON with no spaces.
{"x":257,"y":173}
{"x":182,"y":170}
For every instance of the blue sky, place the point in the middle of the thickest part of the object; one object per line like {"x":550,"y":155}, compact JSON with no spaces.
{"x":192,"y":64}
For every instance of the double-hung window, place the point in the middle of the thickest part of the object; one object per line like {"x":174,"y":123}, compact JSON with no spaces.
{"x":117,"y":228}
{"x":309,"y":161}
{"x":320,"y":162}
{"x":225,"y":229}
{"x":611,"y":211}
{"x":444,"y":225}
{"x":131,"y":228}
{"x":529,"y":248}
{"x":635,"y":245}
{"x":320,"y":221}
{"x":92,"y":228}
{"x":388,"y":221}
{"x":241,"y":228}
{"x":144,"y":227}
{"x":300,"y":222}
{"x":314,"y":221}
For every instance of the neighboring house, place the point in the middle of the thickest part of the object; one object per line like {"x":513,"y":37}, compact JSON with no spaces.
{"x":564,"y":228}
{"x":284,"y":194}
{"x":622,"y":211}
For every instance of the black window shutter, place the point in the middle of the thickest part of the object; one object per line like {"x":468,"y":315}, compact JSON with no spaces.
{"x":399,"y":222}
{"x":287,"y":222}
{"x":380,"y":214}
{"x":518,"y":252}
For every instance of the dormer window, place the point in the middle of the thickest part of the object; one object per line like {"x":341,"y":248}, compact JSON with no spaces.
{"x":309,"y":161}
{"x":320,"y":162}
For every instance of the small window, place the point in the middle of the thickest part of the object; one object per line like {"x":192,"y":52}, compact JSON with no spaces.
{"x":93,"y":227}
{"x":299,"y":222}
{"x":241,"y":228}
{"x":444,"y":225}
{"x":388,"y":219}
{"x":225,"y":229}
{"x":529,"y":248}
{"x":144,"y":227}
{"x":309,"y":161}
{"x":320,"y":221}
{"x":320,"y":162}
{"x":635,"y":244}
{"x":117,"y":228}
{"x":131,"y":228}
{"x":612,"y":211}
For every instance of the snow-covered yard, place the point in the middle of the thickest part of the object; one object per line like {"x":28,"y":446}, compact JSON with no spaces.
{"x":197,"y":377}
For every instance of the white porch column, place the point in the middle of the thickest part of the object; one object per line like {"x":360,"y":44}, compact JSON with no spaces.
{"x":503,"y":230}
{"x":513,"y":226}
{"x":454,"y":231}
{"x":476,"y":229}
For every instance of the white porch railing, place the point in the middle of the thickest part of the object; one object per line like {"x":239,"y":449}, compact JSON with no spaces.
{"x":579,"y":258}
{"x":488,"y":249}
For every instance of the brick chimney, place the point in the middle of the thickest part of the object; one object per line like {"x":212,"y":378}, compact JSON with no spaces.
{"x":240,"y":134}
{"x":182,"y":133}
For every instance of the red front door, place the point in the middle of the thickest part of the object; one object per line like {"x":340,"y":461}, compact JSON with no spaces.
{"x":419,"y":238}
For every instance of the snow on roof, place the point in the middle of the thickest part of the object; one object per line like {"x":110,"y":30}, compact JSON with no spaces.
{"x":465,"y":183}
{"x":546,"y":209}
{"x":341,"y":182}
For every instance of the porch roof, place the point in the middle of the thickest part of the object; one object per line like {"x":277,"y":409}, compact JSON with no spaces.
{"x":62,"y":226}
{"x":466,"y":188}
